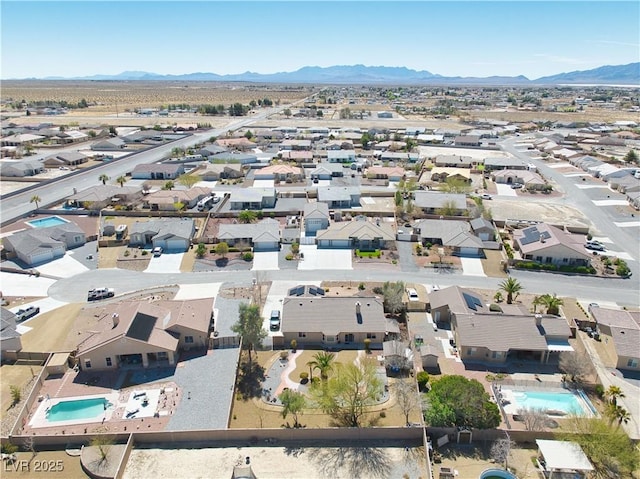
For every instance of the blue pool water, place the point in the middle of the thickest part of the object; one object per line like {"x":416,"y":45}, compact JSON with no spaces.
{"x":47,"y":222}
{"x":77,"y":409}
{"x":566,"y":402}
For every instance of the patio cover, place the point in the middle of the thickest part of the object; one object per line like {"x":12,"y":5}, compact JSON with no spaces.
{"x":558,"y":345}
{"x":563,"y":455}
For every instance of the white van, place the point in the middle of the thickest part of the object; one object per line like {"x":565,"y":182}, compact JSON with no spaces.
{"x":206,"y":203}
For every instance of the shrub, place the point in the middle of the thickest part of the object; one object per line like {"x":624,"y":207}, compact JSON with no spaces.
{"x":622,"y":269}
{"x":599,"y":390}
{"x":495,"y":308}
{"x":423,"y":379}
{"x":16,"y":394}
{"x":145,"y":252}
{"x":361,"y":287}
{"x":289,"y":257}
{"x":9,"y":448}
{"x":294,"y":345}
{"x":248,"y":256}
{"x":304,"y":377}
{"x":383,"y":414}
{"x":126,"y":253}
{"x":367,"y":345}
{"x":378,"y":290}
{"x":284,"y":354}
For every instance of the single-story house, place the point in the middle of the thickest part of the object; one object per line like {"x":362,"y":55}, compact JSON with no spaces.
{"x":533,"y":337}
{"x":455,"y":161}
{"x":299,"y":156}
{"x":395,"y":173}
{"x":173,"y":200}
{"x":326,"y":171}
{"x":467,"y":140}
{"x":442,"y":174}
{"x":21,"y":168}
{"x":531,"y":180}
{"x":544,"y":243}
{"x":623,"y":327}
{"x":157,"y":171}
{"x":425,"y":138}
{"x":504,"y":163}
{"x":431,"y":202}
{"x":66,"y":158}
{"x":147,"y":334}
{"x":262,"y":236}
{"x":38,"y":245}
{"x":211,"y":150}
{"x":316,"y":217}
{"x":280,"y":173}
{"x":454,"y":234}
{"x":110,"y":144}
{"x":341,"y":156}
{"x":9,"y":336}
{"x":454,"y":300}
{"x":241,"y":144}
{"x":399,"y":156}
{"x":336,"y":322}
{"x":220,"y":171}
{"x":339,"y":196}
{"x":234,"y":157}
{"x":101,"y":196}
{"x":21,"y":139}
{"x":356,"y":234}
{"x":483,"y":229}
{"x":253,"y":198}
{"x":171,"y":234}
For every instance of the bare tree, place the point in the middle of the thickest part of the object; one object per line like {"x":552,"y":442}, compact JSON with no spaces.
{"x":534,"y":419}
{"x":407,"y":397}
{"x":30,"y":445}
{"x":576,"y":365}
{"x":501,"y":448}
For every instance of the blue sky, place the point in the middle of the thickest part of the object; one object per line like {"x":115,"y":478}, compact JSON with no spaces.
{"x":477,"y":38}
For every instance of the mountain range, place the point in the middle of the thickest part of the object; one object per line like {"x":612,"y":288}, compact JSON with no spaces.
{"x":361,"y":74}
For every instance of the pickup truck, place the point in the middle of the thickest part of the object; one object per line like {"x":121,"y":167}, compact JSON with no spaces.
{"x":100,"y":293}
{"x":24,"y":314}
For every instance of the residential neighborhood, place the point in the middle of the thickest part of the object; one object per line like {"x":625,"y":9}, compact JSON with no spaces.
{"x":202,"y":280}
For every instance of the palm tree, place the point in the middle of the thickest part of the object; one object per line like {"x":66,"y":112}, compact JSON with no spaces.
{"x":104,"y":178}
{"x":512,"y":287}
{"x":617,"y":413}
{"x":613,"y":393}
{"x":322,"y":361}
{"x":35,"y":199}
{"x":552,"y":303}
{"x":121,"y":180}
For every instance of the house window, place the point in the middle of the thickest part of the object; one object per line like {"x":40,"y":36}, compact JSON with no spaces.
{"x":348,"y":338}
{"x":549,"y":259}
{"x":77,"y":239}
{"x":87,"y":363}
{"x":162,"y":356}
{"x":539,"y":259}
{"x":371,"y":336}
{"x":109,"y":363}
{"x":565,"y":260}
{"x":632,"y":363}
{"x":302,"y":335}
{"x":188,"y":339}
{"x":496,"y":354}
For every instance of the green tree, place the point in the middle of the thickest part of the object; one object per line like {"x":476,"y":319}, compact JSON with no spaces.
{"x":201,"y":250}
{"x":35,"y":199}
{"x":392,"y":294}
{"x":113,"y":131}
{"x":365,"y":140}
{"x":222,"y":249}
{"x":168,"y":185}
{"x":349,"y":392}
{"x":616,"y":413}
{"x":121,"y":180}
{"x":248,"y":135}
{"x":249,"y":327}
{"x":247,"y":216}
{"x":104,"y":178}
{"x":512,"y":287}
{"x":551,"y":302}
{"x":188,"y":180}
{"x":632,"y":157}
{"x":293,"y":403}
{"x":456,"y":185}
{"x":613,"y":393}
{"x":92,"y":133}
{"x":461,"y":402}
{"x":449,"y":208}
{"x":177,"y":152}
{"x":287,"y":112}
{"x":322,"y":361}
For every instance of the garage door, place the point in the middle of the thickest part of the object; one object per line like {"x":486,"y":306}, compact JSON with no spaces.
{"x":266,"y":246}
{"x":40,"y":258}
{"x":473,"y":252}
{"x":173,"y":244}
{"x":334,"y":244}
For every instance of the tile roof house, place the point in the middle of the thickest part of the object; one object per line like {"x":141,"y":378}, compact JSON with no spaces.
{"x":341,"y":156}
{"x":9,"y":336}
{"x":253,"y":198}
{"x":316,"y":217}
{"x":157,"y":171}
{"x":280,"y":173}
{"x":170,"y":200}
{"x":296,"y":145}
{"x":433,"y":201}
{"x":149,"y":334}
{"x":262,"y":236}
{"x":171,"y":234}
{"x":22,"y":168}
{"x":339,"y":196}
{"x":395,"y":173}
{"x":296,"y":155}
{"x":467,"y":140}
{"x":234,"y":157}
{"x":454,"y":299}
{"x":356,"y":234}
{"x":544,"y":243}
{"x":531,"y":180}
{"x":21,"y":139}
{"x":67,"y":158}
{"x":211,"y":150}
{"x":504,"y":162}
{"x":457,"y":235}
{"x":623,"y":327}
{"x":220,"y":171}
{"x":326,"y":171}
{"x":38,"y":245}
{"x":101,"y":196}
{"x":454,"y":161}
{"x":111,"y":144}
{"x":336,"y":322}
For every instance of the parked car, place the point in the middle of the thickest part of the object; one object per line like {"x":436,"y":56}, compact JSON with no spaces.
{"x":486,"y":196}
{"x":274,"y":320}
{"x":157,"y":251}
{"x":517,"y":186}
{"x":594,"y":246}
{"x":413,"y":295}
{"x":29,"y":312}
{"x":96,"y":294}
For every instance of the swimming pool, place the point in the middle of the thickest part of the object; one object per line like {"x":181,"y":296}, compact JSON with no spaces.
{"x":560,"y":402}
{"x":496,"y":474}
{"x":47,"y":222}
{"x":77,"y":409}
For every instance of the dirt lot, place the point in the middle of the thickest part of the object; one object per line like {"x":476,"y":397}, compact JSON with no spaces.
{"x":49,"y":464}
{"x":49,"y":330}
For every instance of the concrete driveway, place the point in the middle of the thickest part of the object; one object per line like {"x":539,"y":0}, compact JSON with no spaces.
{"x":263,"y":183}
{"x":265,"y":260}
{"x":165,"y":263}
{"x":64,"y":267}
{"x":197,"y":291}
{"x":505,"y":190}
{"x":23,"y":285}
{"x":315,"y":258}
{"x":472,"y":267}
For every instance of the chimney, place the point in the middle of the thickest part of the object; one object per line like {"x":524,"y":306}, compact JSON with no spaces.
{"x":116,"y":319}
{"x":541,"y":238}
{"x":538,"y":320}
{"x":358,"y":307}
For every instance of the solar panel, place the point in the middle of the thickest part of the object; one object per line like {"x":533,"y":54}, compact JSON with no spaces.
{"x":472,"y":301}
{"x":531,"y":235}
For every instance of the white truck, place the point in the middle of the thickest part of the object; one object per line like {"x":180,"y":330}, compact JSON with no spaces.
{"x":206,"y":203}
